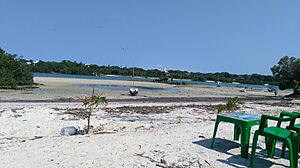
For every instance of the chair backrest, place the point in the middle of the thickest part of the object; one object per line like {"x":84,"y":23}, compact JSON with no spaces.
{"x":264,"y":121}
{"x":291,"y":126}
{"x":288,"y":114}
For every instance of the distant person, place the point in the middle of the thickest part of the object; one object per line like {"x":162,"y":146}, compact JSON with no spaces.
{"x":275,"y":92}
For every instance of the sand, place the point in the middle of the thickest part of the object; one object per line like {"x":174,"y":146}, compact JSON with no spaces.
{"x":136,"y":133}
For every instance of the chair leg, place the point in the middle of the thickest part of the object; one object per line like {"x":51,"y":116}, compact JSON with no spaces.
{"x":295,"y":143}
{"x":292,"y":153}
{"x":271,"y":147}
{"x":254,"y":144}
{"x":215,"y":133}
{"x":283,"y":150}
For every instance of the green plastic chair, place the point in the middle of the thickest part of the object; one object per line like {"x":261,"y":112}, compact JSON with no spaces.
{"x":276,"y":133}
{"x":293,"y":126}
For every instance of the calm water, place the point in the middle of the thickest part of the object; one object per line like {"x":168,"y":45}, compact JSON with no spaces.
{"x":189,"y":82}
{"x":122,"y":88}
{"x":249,"y":86}
{"x":124,"y":78}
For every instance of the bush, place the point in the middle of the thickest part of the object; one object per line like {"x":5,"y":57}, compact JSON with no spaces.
{"x":13,"y":72}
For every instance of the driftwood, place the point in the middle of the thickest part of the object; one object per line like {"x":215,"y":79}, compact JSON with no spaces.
{"x":164,"y":164}
{"x":105,"y":132}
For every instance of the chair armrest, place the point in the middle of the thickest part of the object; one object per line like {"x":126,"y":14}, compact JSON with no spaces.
{"x":265,"y":118}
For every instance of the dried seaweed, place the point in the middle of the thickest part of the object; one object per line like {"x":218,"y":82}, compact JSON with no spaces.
{"x":153,"y":109}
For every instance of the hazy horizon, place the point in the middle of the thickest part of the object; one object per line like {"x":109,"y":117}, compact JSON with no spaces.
{"x":196,"y":36}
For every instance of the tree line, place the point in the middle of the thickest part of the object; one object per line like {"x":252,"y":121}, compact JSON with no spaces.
{"x":15,"y":71}
{"x":79,"y":68}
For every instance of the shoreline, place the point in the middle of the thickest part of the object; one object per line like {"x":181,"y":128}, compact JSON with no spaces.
{"x":64,"y":89}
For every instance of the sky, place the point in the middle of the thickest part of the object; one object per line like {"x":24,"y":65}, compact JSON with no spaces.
{"x":241,"y":37}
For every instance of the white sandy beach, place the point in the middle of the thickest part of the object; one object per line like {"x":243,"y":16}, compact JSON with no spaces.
{"x":143,"y":83}
{"x":154,"y":134}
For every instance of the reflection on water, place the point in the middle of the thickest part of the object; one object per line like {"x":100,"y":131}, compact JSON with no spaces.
{"x":126,"y":88}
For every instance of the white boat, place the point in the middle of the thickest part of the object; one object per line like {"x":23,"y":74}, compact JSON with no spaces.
{"x":133,"y":91}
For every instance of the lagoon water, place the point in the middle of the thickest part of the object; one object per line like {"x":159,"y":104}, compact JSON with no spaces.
{"x":125,"y":78}
{"x":122,"y":88}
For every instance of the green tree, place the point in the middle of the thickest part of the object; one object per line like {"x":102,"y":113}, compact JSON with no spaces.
{"x":13,"y":71}
{"x":287,"y":72}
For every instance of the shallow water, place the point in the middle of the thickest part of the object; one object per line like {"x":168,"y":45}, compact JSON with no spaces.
{"x":124,"y":78}
{"x":126,"y":88}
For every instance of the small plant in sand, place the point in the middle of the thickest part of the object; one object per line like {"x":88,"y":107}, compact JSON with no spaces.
{"x":91,"y":103}
{"x":231,"y":105}
{"x":219,"y":108}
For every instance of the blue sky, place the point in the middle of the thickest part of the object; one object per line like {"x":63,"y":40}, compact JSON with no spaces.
{"x":196,"y":35}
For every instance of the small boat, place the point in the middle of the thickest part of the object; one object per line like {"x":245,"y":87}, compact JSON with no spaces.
{"x":133,"y":91}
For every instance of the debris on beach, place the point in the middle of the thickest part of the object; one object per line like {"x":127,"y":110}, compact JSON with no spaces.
{"x":181,"y":163}
{"x":145,"y":127}
{"x":1,"y":111}
{"x":153,"y":109}
{"x":70,"y":130}
{"x":15,"y":110}
{"x":34,"y":138}
{"x":85,"y":128}
{"x":98,"y":129}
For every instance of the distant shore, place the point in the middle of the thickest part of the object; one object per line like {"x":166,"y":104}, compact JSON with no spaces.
{"x":52,"y":88}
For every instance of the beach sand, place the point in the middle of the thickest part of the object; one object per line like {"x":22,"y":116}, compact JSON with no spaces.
{"x":150,"y":130}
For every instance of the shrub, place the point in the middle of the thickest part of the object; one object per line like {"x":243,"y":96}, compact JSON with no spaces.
{"x":91,"y":103}
{"x":231,"y":105}
{"x":13,"y":72}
